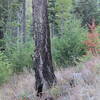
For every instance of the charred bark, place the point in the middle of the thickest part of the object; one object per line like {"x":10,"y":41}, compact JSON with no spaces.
{"x":44,"y":72}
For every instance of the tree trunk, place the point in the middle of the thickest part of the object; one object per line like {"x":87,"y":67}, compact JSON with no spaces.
{"x":1,"y":39}
{"x":23,"y":20}
{"x":1,"y":33}
{"x":44,"y":72}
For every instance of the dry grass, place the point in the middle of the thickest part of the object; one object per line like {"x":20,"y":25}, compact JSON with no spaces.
{"x":85,"y":84}
{"x":19,"y":86}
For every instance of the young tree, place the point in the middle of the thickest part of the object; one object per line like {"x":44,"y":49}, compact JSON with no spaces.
{"x":16,"y":19}
{"x":23,"y":20}
{"x":52,"y":17}
{"x":44,"y":72}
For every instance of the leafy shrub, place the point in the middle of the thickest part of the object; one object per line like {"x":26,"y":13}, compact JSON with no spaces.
{"x":69,"y":45}
{"x":20,"y":55}
{"x":5,"y":68}
{"x":98,"y":29}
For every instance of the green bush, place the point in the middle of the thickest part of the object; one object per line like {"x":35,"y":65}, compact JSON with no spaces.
{"x":20,"y":54}
{"x":69,"y":45}
{"x":5,"y":68}
{"x":98,"y":29}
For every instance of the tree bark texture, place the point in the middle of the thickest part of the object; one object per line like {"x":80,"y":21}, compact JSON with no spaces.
{"x":1,"y":39}
{"x":44,"y":72}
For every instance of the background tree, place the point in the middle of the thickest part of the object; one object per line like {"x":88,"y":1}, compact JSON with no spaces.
{"x":44,"y":72}
{"x":3,"y":20}
{"x":86,"y":10}
{"x":52,"y":17}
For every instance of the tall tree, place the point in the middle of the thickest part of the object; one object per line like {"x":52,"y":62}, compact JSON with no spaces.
{"x":3,"y":20}
{"x":52,"y":17}
{"x":87,"y":10}
{"x":23,"y":20}
{"x":1,"y":39}
{"x":44,"y":72}
{"x":16,"y":21}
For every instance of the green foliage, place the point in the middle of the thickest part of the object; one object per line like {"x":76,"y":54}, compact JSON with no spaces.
{"x":98,"y":29}
{"x":5,"y":68}
{"x":63,"y":8}
{"x":86,"y":10}
{"x":59,"y":10}
{"x":1,"y":44}
{"x":20,"y":55}
{"x":67,"y":43}
{"x":52,"y":17}
{"x":69,"y":46}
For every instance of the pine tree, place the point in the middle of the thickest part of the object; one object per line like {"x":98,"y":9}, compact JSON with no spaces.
{"x":44,"y":72}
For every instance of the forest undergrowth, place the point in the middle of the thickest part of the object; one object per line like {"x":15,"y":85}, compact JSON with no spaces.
{"x":74,"y":83}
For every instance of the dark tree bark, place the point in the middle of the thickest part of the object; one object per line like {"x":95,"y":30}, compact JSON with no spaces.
{"x":1,"y":39}
{"x":44,"y":72}
{"x":1,"y":33}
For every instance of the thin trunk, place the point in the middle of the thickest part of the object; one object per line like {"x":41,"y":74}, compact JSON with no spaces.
{"x":1,"y":33}
{"x":24,"y":20}
{"x":1,"y":39}
{"x":44,"y":72}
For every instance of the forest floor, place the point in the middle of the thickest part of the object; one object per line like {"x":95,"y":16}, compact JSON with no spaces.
{"x":77,"y":83}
